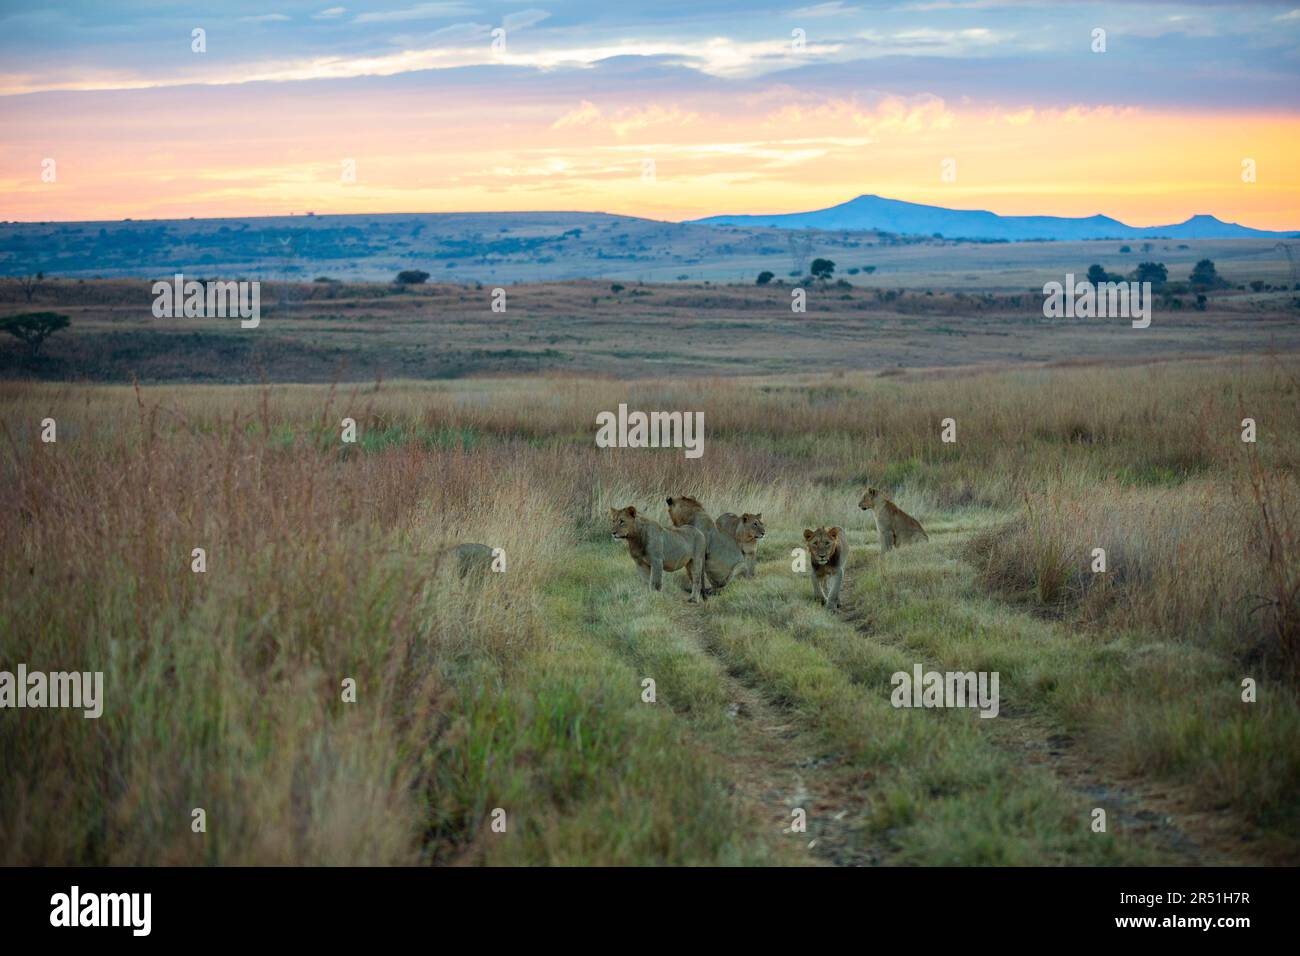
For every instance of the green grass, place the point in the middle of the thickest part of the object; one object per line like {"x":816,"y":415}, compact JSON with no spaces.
{"x":587,"y":771}
{"x":526,"y":694}
{"x":933,"y":786}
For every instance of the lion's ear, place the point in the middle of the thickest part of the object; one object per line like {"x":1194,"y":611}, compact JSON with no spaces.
{"x":631,"y":511}
{"x":834,"y":532}
{"x":759,"y":516}
{"x":807,"y":534}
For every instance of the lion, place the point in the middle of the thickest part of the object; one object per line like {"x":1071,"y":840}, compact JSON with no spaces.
{"x":722,"y":557}
{"x":470,"y":558}
{"x":747,"y":529}
{"x":829,"y":552}
{"x":657,"y":549}
{"x":895,"y":525}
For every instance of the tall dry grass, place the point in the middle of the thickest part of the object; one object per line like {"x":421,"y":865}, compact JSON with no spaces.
{"x":224,"y":687}
{"x":1196,"y":560}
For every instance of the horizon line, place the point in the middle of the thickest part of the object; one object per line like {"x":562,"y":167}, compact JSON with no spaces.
{"x":697,"y":220}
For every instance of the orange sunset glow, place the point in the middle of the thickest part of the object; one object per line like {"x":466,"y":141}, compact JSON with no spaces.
{"x":726,"y":126}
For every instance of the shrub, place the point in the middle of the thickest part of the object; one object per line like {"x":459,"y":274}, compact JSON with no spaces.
{"x":33,"y":328}
{"x":822,"y":269}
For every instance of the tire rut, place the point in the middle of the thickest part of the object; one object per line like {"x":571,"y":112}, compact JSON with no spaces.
{"x":779,"y":765}
{"x":1158,"y":814}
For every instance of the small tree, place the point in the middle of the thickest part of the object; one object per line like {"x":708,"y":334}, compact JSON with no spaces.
{"x":34,"y":328}
{"x":1205,"y":275}
{"x":412,"y":277}
{"x":822,"y":269}
{"x":1153,"y":272}
{"x":1097,"y":275}
{"x":29,"y":284}
{"x":765,"y":277}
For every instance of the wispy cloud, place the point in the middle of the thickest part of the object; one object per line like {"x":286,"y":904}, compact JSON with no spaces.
{"x":626,"y":120}
{"x":421,"y":11}
{"x":836,"y":8}
{"x":523,"y":19}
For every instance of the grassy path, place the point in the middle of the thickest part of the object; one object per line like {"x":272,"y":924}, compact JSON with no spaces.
{"x":765,"y":704}
{"x":789,"y":705}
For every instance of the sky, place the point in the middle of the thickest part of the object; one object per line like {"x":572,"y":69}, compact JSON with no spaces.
{"x":1146,"y":111}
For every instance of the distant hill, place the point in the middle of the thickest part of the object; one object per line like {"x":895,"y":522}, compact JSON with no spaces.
{"x":893,"y":215}
{"x":505,"y":247}
{"x":456,"y":247}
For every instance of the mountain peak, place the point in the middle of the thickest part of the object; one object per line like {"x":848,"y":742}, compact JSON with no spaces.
{"x":870,"y":212}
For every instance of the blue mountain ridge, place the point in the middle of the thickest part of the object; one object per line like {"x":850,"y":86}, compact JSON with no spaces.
{"x":876,"y":213}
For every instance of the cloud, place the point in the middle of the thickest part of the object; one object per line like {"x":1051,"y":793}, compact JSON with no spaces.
{"x":421,"y":11}
{"x":330,"y":13}
{"x":265,"y":18}
{"x":626,"y":120}
{"x":523,"y":19}
{"x":463,"y":32}
{"x":927,"y":37}
{"x":892,"y":114}
{"x":586,"y":113}
{"x":833,"y":9}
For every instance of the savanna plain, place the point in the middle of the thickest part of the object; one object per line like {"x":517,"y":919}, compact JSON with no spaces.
{"x":523,"y":690}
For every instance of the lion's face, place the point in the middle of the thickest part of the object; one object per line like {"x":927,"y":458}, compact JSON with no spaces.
{"x":622,"y":521}
{"x":750,"y":528}
{"x":682,"y":509}
{"x":868,"y":499}
{"x":821,"y":543}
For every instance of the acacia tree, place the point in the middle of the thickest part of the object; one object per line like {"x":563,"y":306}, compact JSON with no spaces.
{"x":822,"y":269}
{"x":33,"y":328}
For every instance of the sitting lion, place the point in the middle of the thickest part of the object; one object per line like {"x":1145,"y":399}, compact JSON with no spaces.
{"x":722,"y":556}
{"x":895,"y":525}
{"x":657,"y":549}
{"x":829,"y":552}
{"x":747,"y":529}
